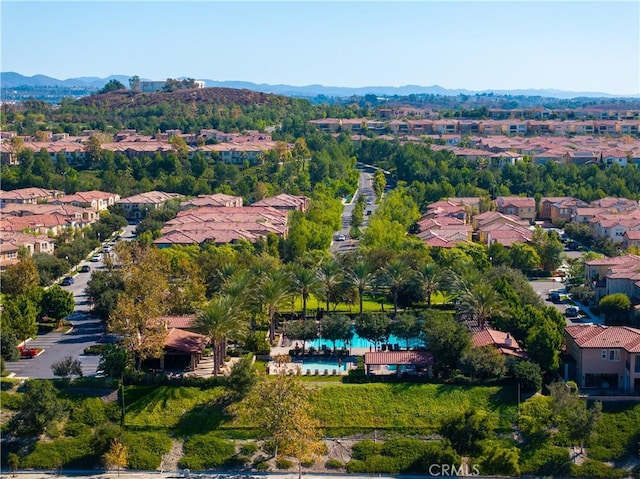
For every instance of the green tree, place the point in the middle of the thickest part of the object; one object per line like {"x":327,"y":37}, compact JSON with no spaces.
{"x":67,"y":367}
{"x":13,"y":462}
{"x":406,"y":326}
{"x":41,"y":407}
{"x":115,"y":361}
{"x":536,"y":417}
{"x":395,"y":276}
{"x":112,"y":85}
{"x":330,"y":276}
{"x":360,"y":276}
{"x":549,"y":248}
{"x":528,"y":374}
{"x":20,"y":277}
{"x":379,"y":183}
{"x":483,"y":363}
{"x":543,"y":345}
{"x":57,"y":303}
{"x":304,"y":330}
{"x":373,"y":327}
{"x":336,"y":327}
{"x":499,"y":459}
{"x":242,"y":377}
{"x":134,"y":83}
{"x":616,"y":308}
{"x":19,"y":315}
{"x":429,"y":279}
{"x":220,"y":320}
{"x":481,"y":302}
{"x":272,"y":293}
{"x":9,"y":345}
{"x":524,"y":257}
{"x":467,"y":429}
{"x":446,"y":338}
{"x":307,"y":283}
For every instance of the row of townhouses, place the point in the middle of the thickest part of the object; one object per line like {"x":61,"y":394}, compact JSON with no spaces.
{"x":538,"y":113}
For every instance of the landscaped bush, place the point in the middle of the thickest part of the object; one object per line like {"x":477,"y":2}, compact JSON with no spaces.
{"x":499,"y":459}
{"x":356,"y":466}
{"x":546,"y":460}
{"x":146,"y":449}
{"x":438,"y":452}
{"x":90,"y":411}
{"x":70,"y":452}
{"x":333,"y":464}
{"x":206,"y":452}
{"x":364,"y":449}
{"x":11,"y":401}
{"x":613,"y":437}
{"x":405,"y":451}
{"x":261,"y":466}
{"x":308,"y":463}
{"x":283,"y":463}
{"x":249,"y":449}
{"x":76,"y":429}
{"x":593,"y":468}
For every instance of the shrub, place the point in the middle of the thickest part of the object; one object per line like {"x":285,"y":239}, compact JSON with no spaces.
{"x":261,"y":466}
{"x":70,"y":452}
{"x":356,"y":466}
{"x":249,"y":449}
{"x":206,"y":452}
{"x":90,"y":411}
{"x":146,"y":449}
{"x":438,"y":452}
{"x":308,"y":463}
{"x":593,"y":468}
{"x":364,"y":449}
{"x":333,"y":464}
{"x":11,"y":401}
{"x":497,"y":459}
{"x":76,"y":429}
{"x":547,"y":461}
{"x":528,"y":374}
{"x":406,"y":452}
{"x":282,"y":463}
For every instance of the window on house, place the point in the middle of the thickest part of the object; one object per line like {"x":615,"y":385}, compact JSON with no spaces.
{"x":604,"y":354}
{"x":614,"y":355}
{"x":637,"y":368}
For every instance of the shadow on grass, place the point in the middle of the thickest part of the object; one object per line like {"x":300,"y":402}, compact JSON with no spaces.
{"x":202,"y":419}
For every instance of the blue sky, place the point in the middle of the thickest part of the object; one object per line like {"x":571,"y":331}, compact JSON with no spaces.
{"x":577,"y":46}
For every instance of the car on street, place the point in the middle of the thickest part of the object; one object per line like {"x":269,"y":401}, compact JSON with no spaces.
{"x":369,"y":202}
{"x":68,"y":281}
{"x":85,"y":268}
{"x":28,"y":353}
{"x":96,"y":258}
{"x":341,"y":238}
{"x":571,"y":312}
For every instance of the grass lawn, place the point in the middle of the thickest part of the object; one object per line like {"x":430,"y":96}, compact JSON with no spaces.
{"x":618,"y":433}
{"x":341,"y":408}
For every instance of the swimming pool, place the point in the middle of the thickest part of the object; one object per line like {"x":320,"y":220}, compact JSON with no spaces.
{"x":321,"y":366}
{"x":358,"y":342}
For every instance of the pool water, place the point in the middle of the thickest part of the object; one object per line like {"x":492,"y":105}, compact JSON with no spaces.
{"x":358,"y":342}
{"x":322,"y":365}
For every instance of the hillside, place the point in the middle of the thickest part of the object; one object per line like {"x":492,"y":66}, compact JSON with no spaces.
{"x":125,"y":98}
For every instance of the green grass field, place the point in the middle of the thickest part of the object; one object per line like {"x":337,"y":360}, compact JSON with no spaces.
{"x":341,"y":408}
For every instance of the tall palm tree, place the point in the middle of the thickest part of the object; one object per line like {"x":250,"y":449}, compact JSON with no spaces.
{"x":330,"y":275}
{"x":220,"y":319}
{"x":482,"y":302}
{"x":430,"y":279}
{"x":271,"y":293}
{"x":394,"y":276}
{"x":306,"y":282}
{"x":360,"y":276}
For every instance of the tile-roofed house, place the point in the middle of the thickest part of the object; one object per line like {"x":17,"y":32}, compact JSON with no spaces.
{"x":11,"y":242}
{"x":507,"y":234}
{"x":620,"y":274}
{"x":29,"y":195}
{"x":520,"y":206}
{"x":137,"y":206}
{"x":606,"y":357}
{"x":503,"y":342}
{"x":617,"y":204}
{"x":178,"y":322}
{"x":98,"y":200}
{"x":559,"y":208}
{"x":85,"y":215}
{"x":631,"y":239}
{"x":285,"y":202}
{"x":217,"y":199}
{"x":48,"y":224}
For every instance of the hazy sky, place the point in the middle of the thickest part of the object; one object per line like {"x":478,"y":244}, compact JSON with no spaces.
{"x":578,"y":46}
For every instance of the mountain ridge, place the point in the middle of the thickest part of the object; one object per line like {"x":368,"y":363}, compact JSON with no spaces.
{"x":14,"y":80}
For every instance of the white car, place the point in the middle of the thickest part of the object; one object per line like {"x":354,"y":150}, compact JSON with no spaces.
{"x":96,"y":258}
{"x":341,"y":238}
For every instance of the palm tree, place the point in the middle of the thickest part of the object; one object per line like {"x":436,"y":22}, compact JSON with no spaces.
{"x":360,"y":276}
{"x":429,"y":278}
{"x":482,"y":302}
{"x":219,"y":320}
{"x":306,"y":282}
{"x":330,"y":275}
{"x":395,"y":276}
{"x":271,"y":293}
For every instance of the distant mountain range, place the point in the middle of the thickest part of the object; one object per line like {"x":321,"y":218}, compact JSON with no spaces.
{"x":14,"y":80}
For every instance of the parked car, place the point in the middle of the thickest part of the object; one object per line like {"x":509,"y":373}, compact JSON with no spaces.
{"x":96,"y":258}
{"x":341,"y":238}
{"x":369,"y":202}
{"x":28,"y":353}
{"x":68,"y":281}
{"x":85,"y":268}
{"x":554,"y":297}
{"x":571,"y":311}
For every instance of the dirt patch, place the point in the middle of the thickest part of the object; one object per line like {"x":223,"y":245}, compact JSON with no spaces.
{"x":170,"y":459}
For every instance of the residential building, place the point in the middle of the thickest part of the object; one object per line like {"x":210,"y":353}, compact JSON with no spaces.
{"x":604,"y":357}
{"x":136,"y":207}
{"x":503,"y":342}
{"x":29,"y":195}
{"x":285,"y":202}
{"x":520,"y":206}
{"x":98,"y":200}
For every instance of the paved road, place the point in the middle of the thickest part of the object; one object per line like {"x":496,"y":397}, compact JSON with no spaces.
{"x":86,"y":331}
{"x":365,"y":188}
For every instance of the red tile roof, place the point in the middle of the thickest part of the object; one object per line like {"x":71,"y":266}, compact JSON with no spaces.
{"x":418,"y":358}
{"x":185,"y":341}
{"x":598,"y":336}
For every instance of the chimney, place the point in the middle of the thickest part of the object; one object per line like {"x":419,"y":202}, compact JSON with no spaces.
{"x":508,"y":341}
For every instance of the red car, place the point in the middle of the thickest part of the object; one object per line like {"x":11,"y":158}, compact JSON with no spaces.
{"x":28,"y":353}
